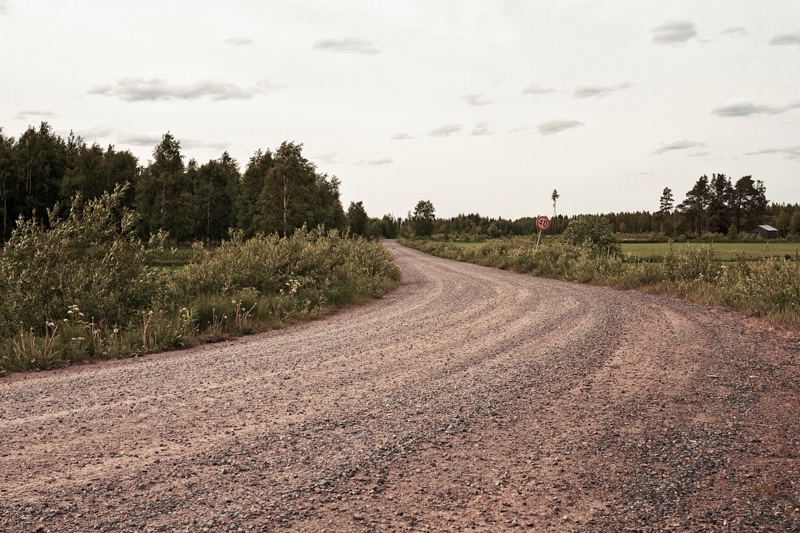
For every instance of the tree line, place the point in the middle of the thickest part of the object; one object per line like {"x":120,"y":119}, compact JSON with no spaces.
{"x":714,"y":206}
{"x":278,"y":192}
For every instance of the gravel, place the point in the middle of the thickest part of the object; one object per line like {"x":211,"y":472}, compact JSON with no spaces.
{"x":469,"y":398}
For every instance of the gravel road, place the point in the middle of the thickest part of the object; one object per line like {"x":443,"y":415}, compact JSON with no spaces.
{"x":469,"y":398}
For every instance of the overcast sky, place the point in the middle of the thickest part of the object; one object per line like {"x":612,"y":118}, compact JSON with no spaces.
{"x":478,"y":106}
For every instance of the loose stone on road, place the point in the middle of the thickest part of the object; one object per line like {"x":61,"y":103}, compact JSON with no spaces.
{"x":469,"y":398}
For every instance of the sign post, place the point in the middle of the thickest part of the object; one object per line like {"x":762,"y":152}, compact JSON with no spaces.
{"x":543,"y":223}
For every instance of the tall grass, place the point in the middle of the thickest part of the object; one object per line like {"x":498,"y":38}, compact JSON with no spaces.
{"x":81,"y":287}
{"x":768,"y":288}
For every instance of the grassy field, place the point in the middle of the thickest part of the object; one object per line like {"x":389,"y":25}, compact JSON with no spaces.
{"x":723,"y":251}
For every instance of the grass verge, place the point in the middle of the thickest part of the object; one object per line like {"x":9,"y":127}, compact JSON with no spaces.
{"x":767,"y":287}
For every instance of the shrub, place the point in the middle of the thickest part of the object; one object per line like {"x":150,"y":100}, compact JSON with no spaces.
{"x":91,"y":259}
{"x":594,"y":232}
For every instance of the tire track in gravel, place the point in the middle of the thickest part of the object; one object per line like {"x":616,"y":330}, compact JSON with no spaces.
{"x":468,"y":398}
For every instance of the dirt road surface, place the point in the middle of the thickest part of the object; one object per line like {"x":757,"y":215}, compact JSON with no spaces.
{"x":468,"y":399}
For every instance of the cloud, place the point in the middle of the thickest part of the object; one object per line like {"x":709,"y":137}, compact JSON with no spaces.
{"x":326,"y":159}
{"x":537,"y":90}
{"x":593,"y":91}
{"x":735,"y":31}
{"x":239,"y":41}
{"x":401,"y":137}
{"x":674,"y":32}
{"x":381,"y":161}
{"x":481,"y":128}
{"x":746,"y":108}
{"x":445,"y":131}
{"x":194,"y":143}
{"x":679,"y":145}
{"x":476,"y":100}
{"x":5,"y":7}
{"x":141,"y":139}
{"x":786,"y":39}
{"x":791,"y":152}
{"x":154,"y":89}
{"x":557,"y":126}
{"x":347,"y":44}
{"x":22,"y":115}
{"x":699,"y":154}
{"x":91,"y":134}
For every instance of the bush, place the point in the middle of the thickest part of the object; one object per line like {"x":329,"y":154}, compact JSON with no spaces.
{"x":593,"y":232}
{"x":91,"y":260}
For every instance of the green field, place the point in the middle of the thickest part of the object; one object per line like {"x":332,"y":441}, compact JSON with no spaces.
{"x":723,"y":251}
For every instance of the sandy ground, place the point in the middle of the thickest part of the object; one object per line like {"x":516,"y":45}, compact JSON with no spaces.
{"x":469,"y":398}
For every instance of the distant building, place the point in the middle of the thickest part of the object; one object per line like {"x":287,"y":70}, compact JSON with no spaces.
{"x":765,"y":232}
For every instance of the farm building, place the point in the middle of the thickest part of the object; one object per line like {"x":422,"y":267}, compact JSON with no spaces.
{"x":765,"y":232}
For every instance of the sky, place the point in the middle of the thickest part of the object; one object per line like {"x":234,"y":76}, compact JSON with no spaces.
{"x":477,"y":106}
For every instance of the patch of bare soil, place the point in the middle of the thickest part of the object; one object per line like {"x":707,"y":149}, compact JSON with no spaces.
{"x":469,"y":398}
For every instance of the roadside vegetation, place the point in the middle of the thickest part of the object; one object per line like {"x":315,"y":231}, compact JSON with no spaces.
{"x":84,"y":286}
{"x":587,"y":252}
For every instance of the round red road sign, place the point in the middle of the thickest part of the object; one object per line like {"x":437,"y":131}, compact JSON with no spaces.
{"x":543,"y":223}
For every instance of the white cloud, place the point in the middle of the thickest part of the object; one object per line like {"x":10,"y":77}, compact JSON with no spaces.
{"x":239,"y":41}
{"x":746,"y":108}
{"x":326,"y":159}
{"x":5,"y":7}
{"x":195,"y":143}
{"x":557,"y":126}
{"x":537,"y":90}
{"x":401,"y":136}
{"x":786,"y":39}
{"x":481,"y":128}
{"x":22,"y":115}
{"x":155,"y":89}
{"x":674,"y":32}
{"x":685,"y":144}
{"x":140,"y":139}
{"x":347,"y":44}
{"x":381,"y":161}
{"x":91,"y":134}
{"x":791,"y":152}
{"x":735,"y":31}
{"x":476,"y":100}
{"x":446,"y":131}
{"x":592,"y":91}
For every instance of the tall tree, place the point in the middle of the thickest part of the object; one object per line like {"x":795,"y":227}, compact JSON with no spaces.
{"x":695,"y":204}
{"x":215,"y":189}
{"x":42,"y":158}
{"x":163,"y":195}
{"x":9,"y":185}
{"x":249,"y":217}
{"x":749,"y":202}
{"x":286,"y":201}
{"x":555,"y":196}
{"x":719,"y":200}
{"x":667,"y":202}
{"x":423,"y":218}
{"x":357,"y":218}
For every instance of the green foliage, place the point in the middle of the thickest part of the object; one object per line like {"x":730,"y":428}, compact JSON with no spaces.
{"x":90,"y":258}
{"x":766,"y":287}
{"x":593,"y":232}
{"x":423,"y":218}
{"x":357,"y":219}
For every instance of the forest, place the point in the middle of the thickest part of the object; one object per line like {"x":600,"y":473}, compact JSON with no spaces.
{"x":278,"y":192}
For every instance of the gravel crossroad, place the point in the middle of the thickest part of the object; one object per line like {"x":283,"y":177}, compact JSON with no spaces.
{"x":469,"y":398}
